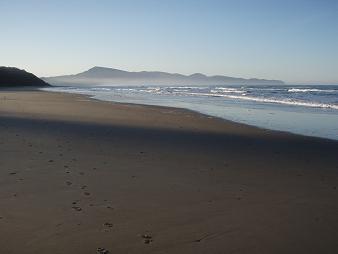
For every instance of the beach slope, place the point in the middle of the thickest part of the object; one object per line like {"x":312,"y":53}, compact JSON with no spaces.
{"x":77,"y":175}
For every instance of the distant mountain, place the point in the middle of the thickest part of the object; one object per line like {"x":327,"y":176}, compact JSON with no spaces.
{"x":108,"y":76}
{"x":14,"y":77}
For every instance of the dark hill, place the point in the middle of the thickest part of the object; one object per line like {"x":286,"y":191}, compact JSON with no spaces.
{"x":14,"y":77}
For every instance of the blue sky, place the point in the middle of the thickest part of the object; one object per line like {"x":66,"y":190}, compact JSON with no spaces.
{"x":295,"y":41}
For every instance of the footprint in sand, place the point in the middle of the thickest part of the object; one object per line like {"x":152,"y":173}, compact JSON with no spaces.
{"x":108,"y":224}
{"x":147,"y":239}
{"x":76,"y":208}
{"x":102,"y":251}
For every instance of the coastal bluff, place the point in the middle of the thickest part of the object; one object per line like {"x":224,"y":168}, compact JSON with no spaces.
{"x":14,"y":77}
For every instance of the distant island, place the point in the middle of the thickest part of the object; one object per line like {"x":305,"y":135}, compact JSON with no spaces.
{"x":109,"y":76}
{"x":14,"y":77}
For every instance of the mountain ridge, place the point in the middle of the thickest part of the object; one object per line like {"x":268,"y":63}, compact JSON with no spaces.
{"x":109,"y":76}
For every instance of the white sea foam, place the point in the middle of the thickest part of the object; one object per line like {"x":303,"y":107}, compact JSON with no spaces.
{"x":299,"y":90}
{"x":227,"y":90}
{"x":270,"y":100}
{"x":101,"y":89}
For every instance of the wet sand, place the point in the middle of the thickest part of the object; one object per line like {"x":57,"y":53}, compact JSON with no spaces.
{"x":77,"y":175}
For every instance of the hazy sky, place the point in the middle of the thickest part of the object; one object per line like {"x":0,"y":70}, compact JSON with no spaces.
{"x":292,"y":40}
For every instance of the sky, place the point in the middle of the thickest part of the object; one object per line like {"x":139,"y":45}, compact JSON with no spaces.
{"x":294,"y":41}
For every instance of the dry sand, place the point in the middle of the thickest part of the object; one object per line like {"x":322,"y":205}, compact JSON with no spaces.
{"x":77,"y":175}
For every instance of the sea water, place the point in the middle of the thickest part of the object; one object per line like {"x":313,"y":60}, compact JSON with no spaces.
{"x":307,"y":110}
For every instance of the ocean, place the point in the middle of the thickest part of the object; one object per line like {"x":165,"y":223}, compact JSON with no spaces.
{"x":307,"y":110}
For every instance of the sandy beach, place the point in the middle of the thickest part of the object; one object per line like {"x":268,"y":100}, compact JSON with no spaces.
{"x":77,"y":175}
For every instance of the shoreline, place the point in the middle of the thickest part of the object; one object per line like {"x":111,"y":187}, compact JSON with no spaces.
{"x":78,"y":174}
{"x":200,"y":113}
